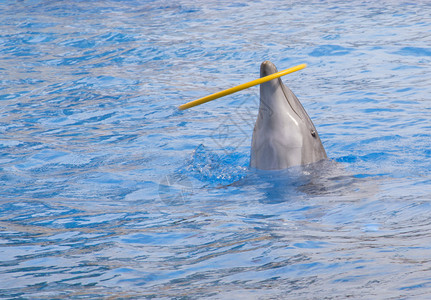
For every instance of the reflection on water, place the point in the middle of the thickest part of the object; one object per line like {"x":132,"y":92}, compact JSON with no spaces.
{"x":107,"y":190}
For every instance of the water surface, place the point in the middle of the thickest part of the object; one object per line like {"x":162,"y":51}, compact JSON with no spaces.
{"x":107,"y":190}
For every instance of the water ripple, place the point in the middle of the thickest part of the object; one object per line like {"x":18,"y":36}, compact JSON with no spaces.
{"x":107,"y":190}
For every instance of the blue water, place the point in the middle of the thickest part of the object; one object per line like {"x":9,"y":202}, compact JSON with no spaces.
{"x":108,"y":191}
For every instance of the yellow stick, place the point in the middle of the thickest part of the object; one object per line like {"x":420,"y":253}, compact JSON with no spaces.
{"x":241,"y":87}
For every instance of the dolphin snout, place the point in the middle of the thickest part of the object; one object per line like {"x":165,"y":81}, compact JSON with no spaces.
{"x":267,"y":68}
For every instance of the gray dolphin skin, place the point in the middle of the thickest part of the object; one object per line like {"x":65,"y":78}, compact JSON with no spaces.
{"x":284,"y":135}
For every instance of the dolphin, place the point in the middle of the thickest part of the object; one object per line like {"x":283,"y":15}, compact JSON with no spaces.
{"x":284,"y":135}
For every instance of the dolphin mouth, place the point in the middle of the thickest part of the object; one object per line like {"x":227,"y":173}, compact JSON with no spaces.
{"x":285,"y":92}
{"x":268,"y":68}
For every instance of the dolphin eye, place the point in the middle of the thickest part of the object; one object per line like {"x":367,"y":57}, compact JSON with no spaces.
{"x":313,"y":133}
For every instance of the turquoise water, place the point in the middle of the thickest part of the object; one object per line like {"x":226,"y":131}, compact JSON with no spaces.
{"x":107,"y":190}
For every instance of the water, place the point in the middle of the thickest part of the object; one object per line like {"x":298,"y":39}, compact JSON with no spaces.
{"x":108,"y":191}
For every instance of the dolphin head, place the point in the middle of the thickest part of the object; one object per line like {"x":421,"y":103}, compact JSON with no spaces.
{"x":284,"y":134}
